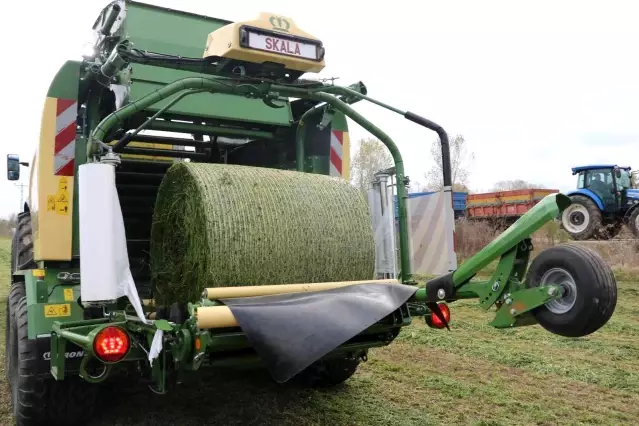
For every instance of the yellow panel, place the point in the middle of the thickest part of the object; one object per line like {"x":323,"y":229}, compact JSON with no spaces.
{"x":225,"y":42}
{"x":54,"y":210}
{"x":134,"y":144}
{"x":499,"y":200}
{"x":346,"y":156}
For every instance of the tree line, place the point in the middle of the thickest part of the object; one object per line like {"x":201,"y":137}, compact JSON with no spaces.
{"x":371,"y":155}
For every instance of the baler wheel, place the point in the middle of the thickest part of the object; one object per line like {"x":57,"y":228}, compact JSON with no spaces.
{"x":24,"y":243}
{"x":589,"y":290}
{"x":36,"y":400}
{"x":16,"y":292}
{"x":328,"y":373}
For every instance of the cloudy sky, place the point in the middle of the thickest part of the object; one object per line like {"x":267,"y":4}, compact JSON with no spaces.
{"x":535,"y":87}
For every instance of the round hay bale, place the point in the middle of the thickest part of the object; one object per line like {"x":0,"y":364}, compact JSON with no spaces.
{"x":219,"y":225}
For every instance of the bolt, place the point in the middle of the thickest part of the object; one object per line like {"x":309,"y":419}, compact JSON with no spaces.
{"x":509,"y":301}
{"x":552,"y":291}
{"x":441,"y":293}
{"x":496,"y":286}
{"x":513,"y":311}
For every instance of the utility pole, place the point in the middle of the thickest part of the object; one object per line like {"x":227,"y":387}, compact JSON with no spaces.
{"x":21,"y":186}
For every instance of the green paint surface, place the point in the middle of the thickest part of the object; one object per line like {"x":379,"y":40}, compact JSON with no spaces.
{"x":221,"y":225}
{"x":147,"y":79}
{"x":169,"y":31}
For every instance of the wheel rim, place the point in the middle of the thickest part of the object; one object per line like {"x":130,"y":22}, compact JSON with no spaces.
{"x":575,"y":218}
{"x":566,"y":282}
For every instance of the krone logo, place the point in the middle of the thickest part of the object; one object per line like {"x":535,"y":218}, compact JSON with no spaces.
{"x":279,"y":23}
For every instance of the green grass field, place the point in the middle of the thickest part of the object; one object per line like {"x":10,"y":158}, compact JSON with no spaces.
{"x":473,"y":375}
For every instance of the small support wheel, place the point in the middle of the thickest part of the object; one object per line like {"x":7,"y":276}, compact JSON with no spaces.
{"x":588,"y":286}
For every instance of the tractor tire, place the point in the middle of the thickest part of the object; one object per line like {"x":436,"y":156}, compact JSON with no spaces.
{"x":633,"y":222}
{"x":328,"y":373}
{"x":43,"y":401}
{"x":24,"y":243}
{"x":582,"y":219}
{"x":609,"y":231}
{"x":588,"y":285}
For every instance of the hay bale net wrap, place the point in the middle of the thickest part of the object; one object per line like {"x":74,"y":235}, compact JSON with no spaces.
{"x":219,"y":225}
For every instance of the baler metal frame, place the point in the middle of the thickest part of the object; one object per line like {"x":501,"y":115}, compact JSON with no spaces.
{"x":517,"y":288}
{"x":505,"y":288}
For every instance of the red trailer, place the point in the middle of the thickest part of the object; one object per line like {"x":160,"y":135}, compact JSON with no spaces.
{"x":504,"y":204}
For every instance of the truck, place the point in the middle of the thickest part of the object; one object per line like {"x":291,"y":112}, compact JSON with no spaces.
{"x":604,"y":202}
{"x":84,"y":308}
{"x":503,"y":207}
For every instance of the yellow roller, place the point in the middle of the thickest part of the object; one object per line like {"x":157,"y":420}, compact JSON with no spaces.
{"x":265,"y":290}
{"x":215,"y":317}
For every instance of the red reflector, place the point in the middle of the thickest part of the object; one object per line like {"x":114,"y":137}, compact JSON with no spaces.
{"x":111,"y":344}
{"x":435,"y":321}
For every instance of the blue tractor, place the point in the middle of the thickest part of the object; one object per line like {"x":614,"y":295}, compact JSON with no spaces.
{"x":605,"y":200}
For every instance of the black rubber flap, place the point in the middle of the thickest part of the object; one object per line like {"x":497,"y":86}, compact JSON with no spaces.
{"x":291,"y":331}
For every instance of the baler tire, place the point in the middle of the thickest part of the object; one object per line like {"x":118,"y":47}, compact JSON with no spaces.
{"x":16,"y":292}
{"x":40,"y":401}
{"x":595,"y":290}
{"x":595,"y":219}
{"x":328,"y":373}
{"x":24,"y":245}
{"x":14,"y":253}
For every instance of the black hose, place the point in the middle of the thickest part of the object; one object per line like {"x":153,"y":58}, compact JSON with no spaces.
{"x":443,"y":137}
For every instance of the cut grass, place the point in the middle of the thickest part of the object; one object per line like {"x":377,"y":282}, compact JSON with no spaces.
{"x":473,"y":375}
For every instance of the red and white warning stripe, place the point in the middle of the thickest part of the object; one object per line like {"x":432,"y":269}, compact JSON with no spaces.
{"x":337,"y":140}
{"x":65,"y":132}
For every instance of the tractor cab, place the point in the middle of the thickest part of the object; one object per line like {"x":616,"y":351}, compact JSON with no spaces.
{"x":602,"y":203}
{"x":608,"y":182}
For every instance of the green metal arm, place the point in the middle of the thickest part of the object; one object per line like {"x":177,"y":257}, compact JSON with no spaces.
{"x":264,"y":91}
{"x":547,"y":209}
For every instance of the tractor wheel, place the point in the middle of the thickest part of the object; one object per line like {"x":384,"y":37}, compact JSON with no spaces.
{"x":328,"y":373}
{"x":609,"y":231}
{"x":582,"y":218}
{"x":588,"y":285}
{"x":36,"y":400}
{"x":633,"y":222}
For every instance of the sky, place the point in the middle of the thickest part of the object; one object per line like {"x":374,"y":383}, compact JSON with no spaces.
{"x":535,"y":87}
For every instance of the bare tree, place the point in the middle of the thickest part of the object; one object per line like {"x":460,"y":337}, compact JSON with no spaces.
{"x":370,"y":157}
{"x":510,"y":185}
{"x":460,"y":160}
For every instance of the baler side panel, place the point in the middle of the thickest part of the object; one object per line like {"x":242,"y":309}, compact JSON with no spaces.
{"x":327,"y":150}
{"x":169,"y":31}
{"x":49,"y":301}
{"x":53,"y":184}
{"x":340,"y":145}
